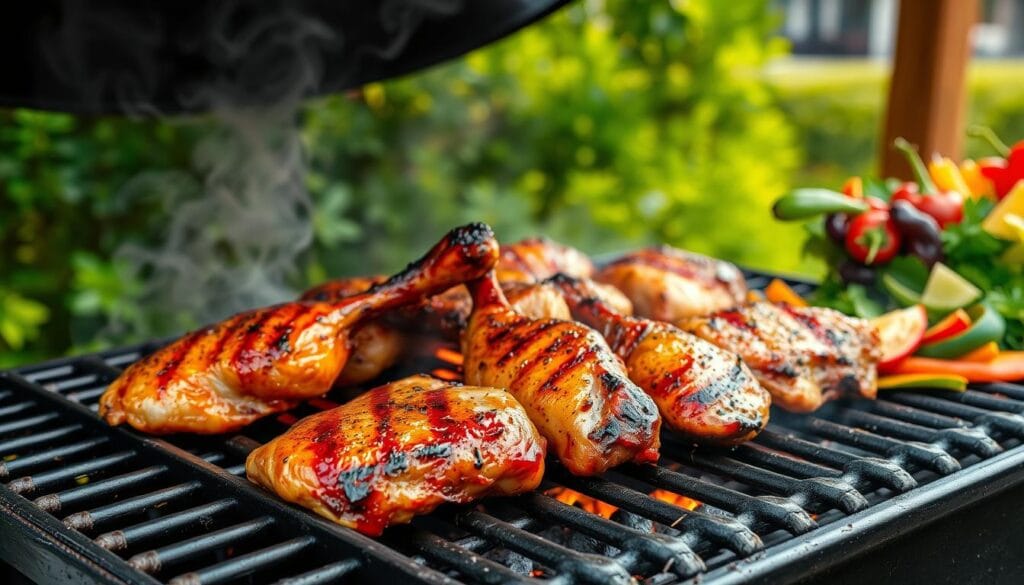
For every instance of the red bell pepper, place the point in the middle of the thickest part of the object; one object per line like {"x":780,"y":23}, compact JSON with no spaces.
{"x":947,"y":207}
{"x":872,"y":238}
{"x":956,"y":322}
{"x":1008,"y":366}
{"x":1004,"y":171}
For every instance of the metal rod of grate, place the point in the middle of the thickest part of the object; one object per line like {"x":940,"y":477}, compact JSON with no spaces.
{"x":176,"y":511}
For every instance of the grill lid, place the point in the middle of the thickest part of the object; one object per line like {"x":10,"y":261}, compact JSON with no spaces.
{"x":153,"y":56}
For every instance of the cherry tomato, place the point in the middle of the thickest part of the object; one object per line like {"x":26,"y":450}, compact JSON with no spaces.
{"x":872,"y":239}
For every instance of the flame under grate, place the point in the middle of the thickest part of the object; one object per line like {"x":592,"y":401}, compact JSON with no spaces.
{"x":180,"y":511}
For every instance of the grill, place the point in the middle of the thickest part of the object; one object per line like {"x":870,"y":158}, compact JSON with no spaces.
{"x":860,"y":489}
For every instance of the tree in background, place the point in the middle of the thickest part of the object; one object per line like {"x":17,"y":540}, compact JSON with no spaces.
{"x":610,"y":125}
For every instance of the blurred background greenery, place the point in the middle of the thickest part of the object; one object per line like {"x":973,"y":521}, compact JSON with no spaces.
{"x":610,"y":125}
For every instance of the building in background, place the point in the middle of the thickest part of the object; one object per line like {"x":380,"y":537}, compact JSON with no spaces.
{"x":867,"y":27}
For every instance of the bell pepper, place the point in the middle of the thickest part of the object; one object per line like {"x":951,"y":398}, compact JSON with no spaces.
{"x":937,"y":381}
{"x":946,"y":175}
{"x":1007,"y":170}
{"x":985,"y":353}
{"x":956,"y":322}
{"x":778,"y":291}
{"x":947,"y":207}
{"x":1008,"y":366}
{"x":978,"y":184}
{"x":988,"y":325}
{"x":854,"y":187}
{"x":872,"y":238}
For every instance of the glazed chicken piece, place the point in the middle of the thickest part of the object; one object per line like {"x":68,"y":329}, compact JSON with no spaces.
{"x":669,"y":284}
{"x":802,"y":356}
{"x":225,"y":376}
{"x":375,"y":346}
{"x":400,"y":450}
{"x":519,"y":265}
{"x":566,"y":377}
{"x":702,"y":391}
{"x":534,"y":259}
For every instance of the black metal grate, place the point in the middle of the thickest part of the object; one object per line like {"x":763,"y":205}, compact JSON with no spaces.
{"x":126,"y":508}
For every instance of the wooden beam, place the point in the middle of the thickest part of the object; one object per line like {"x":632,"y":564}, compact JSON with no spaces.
{"x":928,"y":89}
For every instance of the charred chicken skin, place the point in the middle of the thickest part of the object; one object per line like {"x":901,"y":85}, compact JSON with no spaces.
{"x":669,"y":284}
{"x":702,"y":391}
{"x":802,"y":356}
{"x":225,"y":376}
{"x":400,"y":450}
{"x":564,"y":374}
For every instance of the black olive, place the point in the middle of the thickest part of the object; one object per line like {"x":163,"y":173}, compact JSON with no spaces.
{"x":836,"y":225}
{"x":853,"y":273}
{"x":922,"y":236}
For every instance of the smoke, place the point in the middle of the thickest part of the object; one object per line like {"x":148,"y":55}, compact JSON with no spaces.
{"x":239,"y":224}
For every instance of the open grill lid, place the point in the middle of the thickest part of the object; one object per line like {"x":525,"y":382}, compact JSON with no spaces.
{"x":155,"y":57}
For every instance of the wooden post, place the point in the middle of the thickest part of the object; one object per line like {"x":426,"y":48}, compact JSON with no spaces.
{"x":928,"y":89}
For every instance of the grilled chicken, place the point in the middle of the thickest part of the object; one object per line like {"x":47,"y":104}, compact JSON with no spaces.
{"x":534,"y":259}
{"x":702,"y":391}
{"x":668,"y":284}
{"x":802,"y":356}
{"x":225,"y":376}
{"x":566,"y":377}
{"x":375,"y":346}
{"x":400,"y":450}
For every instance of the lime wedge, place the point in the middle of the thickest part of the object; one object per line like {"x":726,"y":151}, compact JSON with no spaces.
{"x":904,"y":295}
{"x":947,"y":291}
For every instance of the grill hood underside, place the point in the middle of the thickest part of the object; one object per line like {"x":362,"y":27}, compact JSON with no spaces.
{"x":151,"y":57}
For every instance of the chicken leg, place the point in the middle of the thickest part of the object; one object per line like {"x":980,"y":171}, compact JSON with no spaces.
{"x":225,"y":376}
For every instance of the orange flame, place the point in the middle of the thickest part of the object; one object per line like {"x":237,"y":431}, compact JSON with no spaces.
{"x":587,"y":503}
{"x":446,"y":374}
{"x":675,"y":499}
{"x":449,"y":355}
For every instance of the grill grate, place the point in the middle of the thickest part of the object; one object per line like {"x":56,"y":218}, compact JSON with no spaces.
{"x":128,"y":508}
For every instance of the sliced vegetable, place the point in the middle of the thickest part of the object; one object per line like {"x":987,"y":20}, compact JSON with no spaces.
{"x":987,"y":325}
{"x":996,"y":222}
{"x":903,"y":294}
{"x":947,"y":291}
{"x":937,"y":381}
{"x":778,"y":291}
{"x":805,"y":203}
{"x":900,"y":333}
{"x":985,"y":353}
{"x":956,"y":322}
{"x":1008,"y":366}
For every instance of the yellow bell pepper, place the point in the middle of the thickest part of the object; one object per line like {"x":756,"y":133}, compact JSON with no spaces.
{"x":947,"y":176}
{"x":977,"y":183}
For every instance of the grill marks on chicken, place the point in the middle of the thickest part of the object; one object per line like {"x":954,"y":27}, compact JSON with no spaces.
{"x":225,"y":376}
{"x":669,"y":284}
{"x":702,"y":391}
{"x":803,"y":356}
{"x":400,"y":450}
{"x":566,"y":377}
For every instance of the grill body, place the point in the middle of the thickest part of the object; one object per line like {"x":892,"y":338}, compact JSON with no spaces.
{"x":913,"y":486}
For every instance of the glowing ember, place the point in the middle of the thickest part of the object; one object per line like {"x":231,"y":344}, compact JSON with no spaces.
{"x":675,"y":499}
{"x":449,"y":355}
{"x":584,"y":502}
{"x":445,"y":374}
